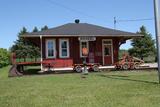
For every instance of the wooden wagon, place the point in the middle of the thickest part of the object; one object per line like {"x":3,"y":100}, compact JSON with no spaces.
{"x":128,"y":62}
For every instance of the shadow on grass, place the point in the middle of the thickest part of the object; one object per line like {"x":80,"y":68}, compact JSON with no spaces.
{"x":36,"y":72}
{"x":120,"y":77}
{"x":31,"y":71}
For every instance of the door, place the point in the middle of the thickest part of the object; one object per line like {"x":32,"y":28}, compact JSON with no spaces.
{"x":107,"y":52}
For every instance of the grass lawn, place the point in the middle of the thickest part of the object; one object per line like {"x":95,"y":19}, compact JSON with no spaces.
{"x":104,"y":89}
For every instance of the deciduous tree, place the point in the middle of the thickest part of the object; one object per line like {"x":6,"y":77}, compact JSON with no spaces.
{"x":4,"y":57}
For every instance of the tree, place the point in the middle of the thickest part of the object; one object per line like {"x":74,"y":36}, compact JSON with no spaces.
{"x":142,"y":47}
{"x":44,"y":28}
{"x":4,"y":57}
{"x":24,"y":48}
{"x":122,"y":52}
{"x":35,"y":29}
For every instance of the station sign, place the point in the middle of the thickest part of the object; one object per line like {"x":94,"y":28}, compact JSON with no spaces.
{"x":87,"y":38}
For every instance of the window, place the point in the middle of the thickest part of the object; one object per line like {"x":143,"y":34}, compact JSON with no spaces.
{"x":64,"y":48}
{"x":107,"y":51}
{"x":83,"y":44}
{"x":50,"y":49}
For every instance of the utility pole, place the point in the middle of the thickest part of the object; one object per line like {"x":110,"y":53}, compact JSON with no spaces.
{"x":157,"y":32}
{"x":115,"y":22}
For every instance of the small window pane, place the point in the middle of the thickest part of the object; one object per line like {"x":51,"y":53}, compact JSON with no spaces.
{"x":64,"y":52}
{"x":50,"y":53}
{"x":64,"y":44}
{"x":106,"y":51}
{"x":84,"y":44}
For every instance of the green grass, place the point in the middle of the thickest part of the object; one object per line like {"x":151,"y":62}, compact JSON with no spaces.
{"x":104,"y":89}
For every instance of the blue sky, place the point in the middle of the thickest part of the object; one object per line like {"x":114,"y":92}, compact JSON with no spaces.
{"x":14,"y":14}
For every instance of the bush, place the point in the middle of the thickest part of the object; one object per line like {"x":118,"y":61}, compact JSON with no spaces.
{"x":4,"y":57}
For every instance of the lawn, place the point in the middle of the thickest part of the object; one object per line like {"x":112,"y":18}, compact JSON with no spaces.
{"x":103,"y":89}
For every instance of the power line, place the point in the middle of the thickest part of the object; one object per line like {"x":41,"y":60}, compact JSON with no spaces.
{"x":130,"y":20}
{"x":74,"y":10}
{"x":93,"y":17}
{"x":135,"y":20}
{"x":68,"y":8}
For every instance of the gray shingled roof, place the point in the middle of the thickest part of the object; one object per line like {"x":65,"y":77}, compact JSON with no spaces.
{"x":81,"y":29}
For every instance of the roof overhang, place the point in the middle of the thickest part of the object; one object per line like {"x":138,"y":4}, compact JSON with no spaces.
{"x":127,"y":36}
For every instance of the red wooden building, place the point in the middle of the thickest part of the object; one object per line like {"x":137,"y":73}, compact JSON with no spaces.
{"x":63,"y":44}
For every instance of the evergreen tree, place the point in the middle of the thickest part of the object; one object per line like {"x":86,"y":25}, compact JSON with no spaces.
{"x":142,"y":47}
{"x":24,"y":48}
{"x":44,"y":28}
{"x":20,"y":41}
{"x":35,"y":29}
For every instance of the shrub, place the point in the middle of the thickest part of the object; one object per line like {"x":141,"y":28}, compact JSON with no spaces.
{"x":4,"y":57}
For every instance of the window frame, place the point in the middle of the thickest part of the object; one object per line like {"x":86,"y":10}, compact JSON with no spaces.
{"x":60,"y":48}
{"x":54,"y":48}
{"x":81,"y":56}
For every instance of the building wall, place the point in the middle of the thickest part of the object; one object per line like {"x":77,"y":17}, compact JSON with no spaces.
{"x":74,"y":47}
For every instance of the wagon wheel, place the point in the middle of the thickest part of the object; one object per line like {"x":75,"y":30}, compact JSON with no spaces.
{"x":78,"y":69}
{"x":95,"y":68}
{"x":117,"y":67}
{"x":136,"y":66}
{"x":125,"y":66}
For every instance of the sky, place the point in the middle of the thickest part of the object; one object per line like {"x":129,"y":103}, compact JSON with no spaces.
{"x":15,"y":14}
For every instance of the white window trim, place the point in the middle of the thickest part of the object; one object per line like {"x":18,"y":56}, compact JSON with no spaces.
{"x":54,"y":48}
{"x":111,"y":49}
{"x":60,"y":48}
{"x":80,"y":48}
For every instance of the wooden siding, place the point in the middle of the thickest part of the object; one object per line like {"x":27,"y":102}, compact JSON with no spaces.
{"x":74,"y":48}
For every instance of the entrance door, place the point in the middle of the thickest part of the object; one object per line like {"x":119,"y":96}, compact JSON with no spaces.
{"x":107,"y":52}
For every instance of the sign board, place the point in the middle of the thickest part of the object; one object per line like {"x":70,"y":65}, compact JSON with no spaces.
{"x":87,"y":38}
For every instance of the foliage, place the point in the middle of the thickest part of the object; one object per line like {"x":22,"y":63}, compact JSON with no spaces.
{"x":24,"y":48}
{"x":4,"y":57}
{"x":142,"y":47}
{"x":121,"y":52}
{"x":44,"y":28}
{"x":35,"y":29}
{"x":112,"y":89}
